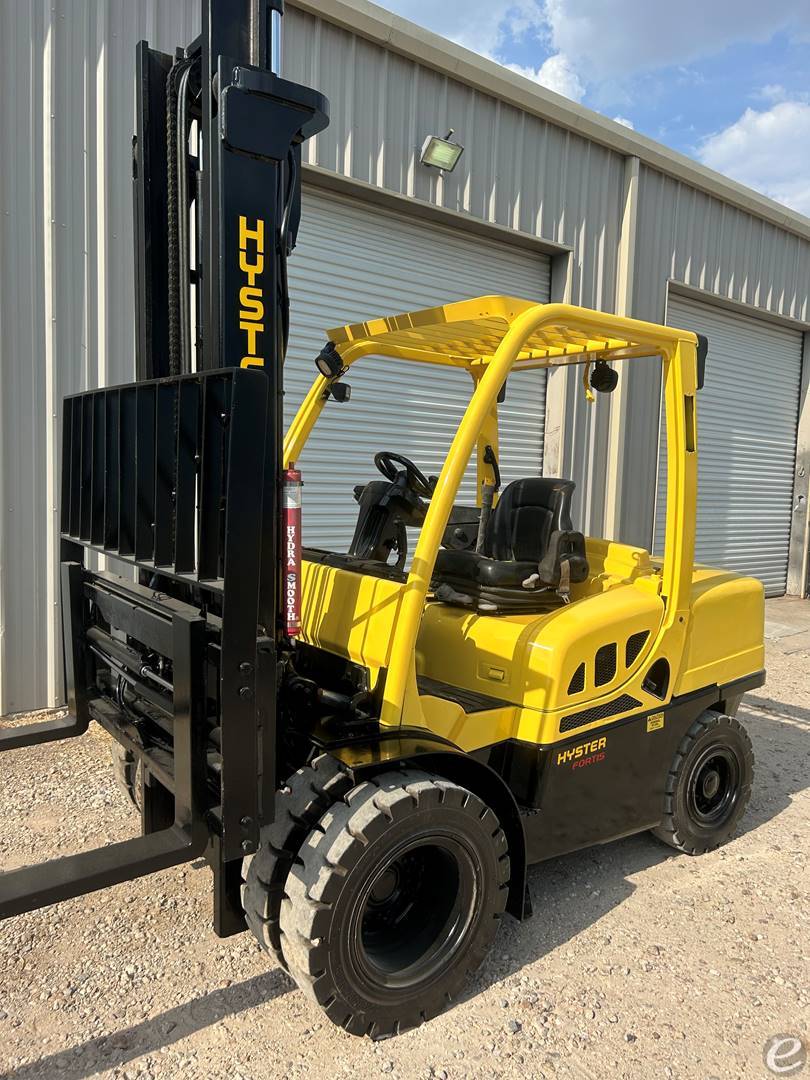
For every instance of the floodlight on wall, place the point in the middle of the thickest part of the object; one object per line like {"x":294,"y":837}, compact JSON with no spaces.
{"x":441,"y":153}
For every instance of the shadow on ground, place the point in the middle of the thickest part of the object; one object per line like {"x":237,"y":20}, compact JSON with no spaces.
{"x":111,"y":1051}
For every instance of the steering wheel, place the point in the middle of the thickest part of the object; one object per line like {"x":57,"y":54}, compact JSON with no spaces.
{"x":417,"y":481}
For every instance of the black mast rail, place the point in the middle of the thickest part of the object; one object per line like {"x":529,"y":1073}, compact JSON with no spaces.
{"x":176,"y":479}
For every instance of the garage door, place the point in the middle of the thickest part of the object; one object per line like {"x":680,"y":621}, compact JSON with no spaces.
{"x":354,"y":262}
{"x":747,"y":417}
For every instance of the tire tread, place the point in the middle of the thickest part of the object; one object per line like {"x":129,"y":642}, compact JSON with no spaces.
{"x":327,"y":857}
{"x":671,"y":831}
{"x":299,"y":806}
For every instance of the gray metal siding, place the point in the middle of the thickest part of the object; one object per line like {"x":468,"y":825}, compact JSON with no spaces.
{"x":747,"y":417}
{"x":689,"y":237}
{"x":516,"y":170}
{"x":66,"y":302}
{"x":354,"y":262}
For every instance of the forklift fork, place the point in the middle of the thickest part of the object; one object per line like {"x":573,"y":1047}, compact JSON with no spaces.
{"x":146,"y":665}
{"x":164,"y":844}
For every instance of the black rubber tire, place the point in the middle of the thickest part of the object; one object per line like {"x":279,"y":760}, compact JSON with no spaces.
{"x":127,"y":769}
{"x":329,"y":899}
{"x":299,"y":805}
{"x":712,"y":737}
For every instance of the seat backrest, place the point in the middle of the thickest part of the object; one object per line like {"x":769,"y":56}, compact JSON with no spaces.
{"x":526,"y":515}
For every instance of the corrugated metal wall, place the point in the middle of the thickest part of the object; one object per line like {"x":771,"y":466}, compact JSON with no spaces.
{"x":66,"y":309}
{"x":688,"y":236}
{"x":516,"y":170}
{"x":746,"y":442}
{"x":66,"y":268}
{"x":354,"y":262}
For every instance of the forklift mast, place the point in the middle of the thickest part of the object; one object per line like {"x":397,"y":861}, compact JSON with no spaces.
{"x":176,"y":478}
{"x":234,"y":200}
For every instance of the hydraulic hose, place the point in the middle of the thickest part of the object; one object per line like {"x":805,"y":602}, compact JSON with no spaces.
{"x":176,"y":163}
{"x":184,"y":283}
{"x":284,"y":251}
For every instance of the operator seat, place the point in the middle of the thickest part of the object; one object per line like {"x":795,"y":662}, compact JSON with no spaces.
{"x":530,"y":553}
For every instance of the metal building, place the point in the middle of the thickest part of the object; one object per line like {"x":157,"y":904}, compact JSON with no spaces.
{"x":549,"y":200}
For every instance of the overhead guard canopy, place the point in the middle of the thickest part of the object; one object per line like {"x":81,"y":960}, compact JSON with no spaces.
{"x":467,"y":333}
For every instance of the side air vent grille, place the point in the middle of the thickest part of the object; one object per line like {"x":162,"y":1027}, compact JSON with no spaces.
{"x":599,"y":712}
{"x":577,"y":684}
{"x":605,"y":666}
{"x":635,"y":643}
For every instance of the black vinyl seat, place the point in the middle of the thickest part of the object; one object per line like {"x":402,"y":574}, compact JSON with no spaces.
{"x":530,"y":553}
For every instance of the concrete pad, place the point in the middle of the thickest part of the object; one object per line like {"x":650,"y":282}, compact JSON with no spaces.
{"x":774,"y":630}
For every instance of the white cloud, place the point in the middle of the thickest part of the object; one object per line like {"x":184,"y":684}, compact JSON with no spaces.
{"x":625,"y":122}
{"x":600,"y":45}
{"x":769,"y":151}
{"x":476,"y":24}
{"x":772,"y":92}
{"x":775,"y":92}
{"x":556,"y":74}
{"x":612,"y":40}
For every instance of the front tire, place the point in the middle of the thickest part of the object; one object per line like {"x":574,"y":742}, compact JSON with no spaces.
{"x":394,"y":899}
{"x":708,"y":786}
{"x":299,"y":805}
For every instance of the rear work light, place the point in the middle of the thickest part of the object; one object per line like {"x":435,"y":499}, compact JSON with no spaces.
{"x":291,"y":546}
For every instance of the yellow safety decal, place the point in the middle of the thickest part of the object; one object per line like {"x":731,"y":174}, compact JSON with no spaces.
{"x":251,"y":294}
{"x":655,"y":722}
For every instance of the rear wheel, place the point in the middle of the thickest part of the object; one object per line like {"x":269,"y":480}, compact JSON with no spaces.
{"x":708,"y":786}
{"x":395,"y":898}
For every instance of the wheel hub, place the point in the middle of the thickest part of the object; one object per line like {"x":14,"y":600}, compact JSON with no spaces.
{"x":711,"y":784}
{"x":385,"y":885}
{"x":416,"y":912}
{"x":713,"y":788}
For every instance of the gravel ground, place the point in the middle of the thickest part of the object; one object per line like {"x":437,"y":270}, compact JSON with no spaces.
{"x":638,"y":962}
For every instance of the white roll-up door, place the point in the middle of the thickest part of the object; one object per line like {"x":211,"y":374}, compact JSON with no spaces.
{"x":353,"y":262}
{"x":747,"y":415}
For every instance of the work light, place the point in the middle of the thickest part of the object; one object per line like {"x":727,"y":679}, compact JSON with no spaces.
{"x":441,"y":153}
{"x":328,"y":361}
{"x":604,"y":378}
{"x":340,"y":391}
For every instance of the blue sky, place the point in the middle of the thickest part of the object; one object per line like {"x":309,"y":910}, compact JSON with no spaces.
{"x":724,"y":81}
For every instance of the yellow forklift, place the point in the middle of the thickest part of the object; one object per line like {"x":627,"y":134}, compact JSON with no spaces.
{"x":369,"y":748}
{"x":524,"y":690}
